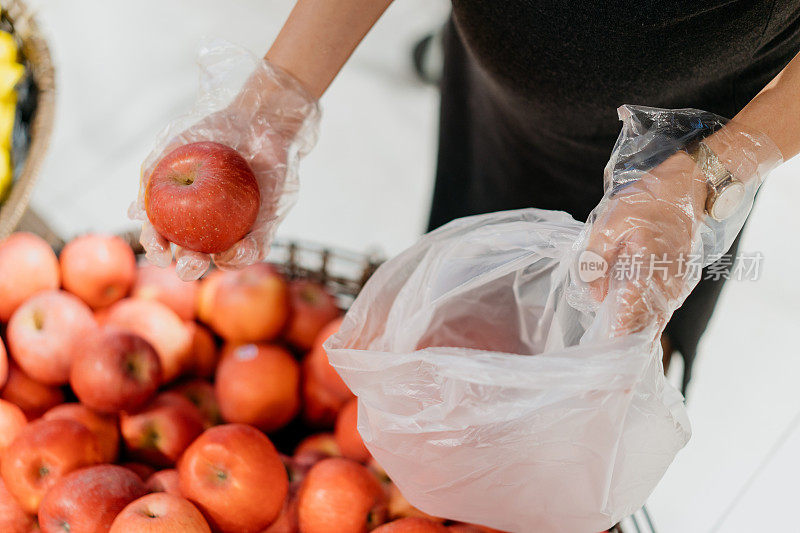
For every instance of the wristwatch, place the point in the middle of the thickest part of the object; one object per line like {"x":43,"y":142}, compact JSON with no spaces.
{"x":725,"y":192}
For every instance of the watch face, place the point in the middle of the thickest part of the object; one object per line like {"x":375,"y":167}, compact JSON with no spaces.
{"x":727,"y":200}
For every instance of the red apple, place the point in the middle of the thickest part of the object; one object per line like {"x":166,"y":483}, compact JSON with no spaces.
{"x":320,"y":367}
{"x":309,"y":452}
{"x":180,"y":401}
{"x":13,"y":519}
{"x":27,"y":266}
{"x":115,"y":371}
{"x":99,"y":269}
{"x":32,"y":397}
{"x":202,"y":196}
{"x":140,"y":469}
{"x":3,"y":364}
{"x":44,"y":452}
{"x":320,"y":406}
{"x":164,"y":481}
{"x":322,"y":443}
{"x":100,"y":315}
{"x":412,"y":525}
{"x":258,"y":384}
{"x":160,"y":512}
{"x":235,"y":476}
{"x":161,"y":327}
{"x":89,"y":499}
{"x":287,"y":521}
{"x":12,"y":420}
{"x":163,"y":285}
{"x":347,"y":436}
{"x":204,"y":351}
{"x":206,"y":295}
{"x":43,"y":334}
{"x":201,"y":394}
{"x":340,"y":495}
{"x":313,"y":307}
{"x":251,"y":304}
{"x":159,"y":434}
{"x":104,"y":427}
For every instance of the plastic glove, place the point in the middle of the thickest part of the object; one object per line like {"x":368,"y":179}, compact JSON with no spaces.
{"x":261,"y":111}
{"x":651,"y":228}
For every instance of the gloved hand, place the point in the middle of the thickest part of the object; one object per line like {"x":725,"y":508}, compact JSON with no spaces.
{"x":267,"y":116}
{"x":651,"y":228}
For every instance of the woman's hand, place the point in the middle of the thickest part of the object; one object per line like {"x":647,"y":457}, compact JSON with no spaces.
{"x":271,"y":121}
{"x":651,"y":230}
{"x":646,"y":234}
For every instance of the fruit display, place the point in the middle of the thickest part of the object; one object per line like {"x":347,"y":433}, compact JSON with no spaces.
{"x":133,"y":401}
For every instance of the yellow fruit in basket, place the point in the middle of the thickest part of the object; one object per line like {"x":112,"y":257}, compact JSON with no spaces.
{"x":6,"y":173}
{"x":8,"y":48}
{"x":8,"y":109}
{"x":10,"y":74}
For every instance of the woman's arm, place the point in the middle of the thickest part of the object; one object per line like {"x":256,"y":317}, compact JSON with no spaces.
{"x":776,"y":110}
{"x":320,"y":35}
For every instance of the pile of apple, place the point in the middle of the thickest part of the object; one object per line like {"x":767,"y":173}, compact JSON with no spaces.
{"x":133,"y":402}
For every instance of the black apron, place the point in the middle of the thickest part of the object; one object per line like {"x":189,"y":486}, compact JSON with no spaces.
{"x":530,"y":90}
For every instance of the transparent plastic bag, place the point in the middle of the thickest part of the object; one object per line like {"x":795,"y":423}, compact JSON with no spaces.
{"x":262,"y":112}
{"x":494,"y":389}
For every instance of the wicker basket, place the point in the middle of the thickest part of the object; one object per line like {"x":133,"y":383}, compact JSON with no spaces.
{"x":28,"y":149}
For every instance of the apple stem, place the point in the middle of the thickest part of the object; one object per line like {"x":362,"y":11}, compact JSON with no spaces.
{"x":38,"y":320}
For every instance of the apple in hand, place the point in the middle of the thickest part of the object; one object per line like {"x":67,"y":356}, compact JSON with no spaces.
{"x":89,"y":499}
{"x":313,"y":307}
{"x":202,"y":196}
{"x":104,"y":427}
{"x":43,"y":334}
{"x":115,"y":371}
{"x":251,"y":304}
{"x":99,"y":269}
{"x":44,"y":452}
{"x":27,"y":266}
{"x":259,"y":385}
{"x":32,"y":397}
{"x":159,"y":434}
{"x":236,"y":477}
{"x":160,"y":512}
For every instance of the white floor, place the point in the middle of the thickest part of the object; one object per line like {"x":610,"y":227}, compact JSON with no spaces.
{"x":124,"y":68}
